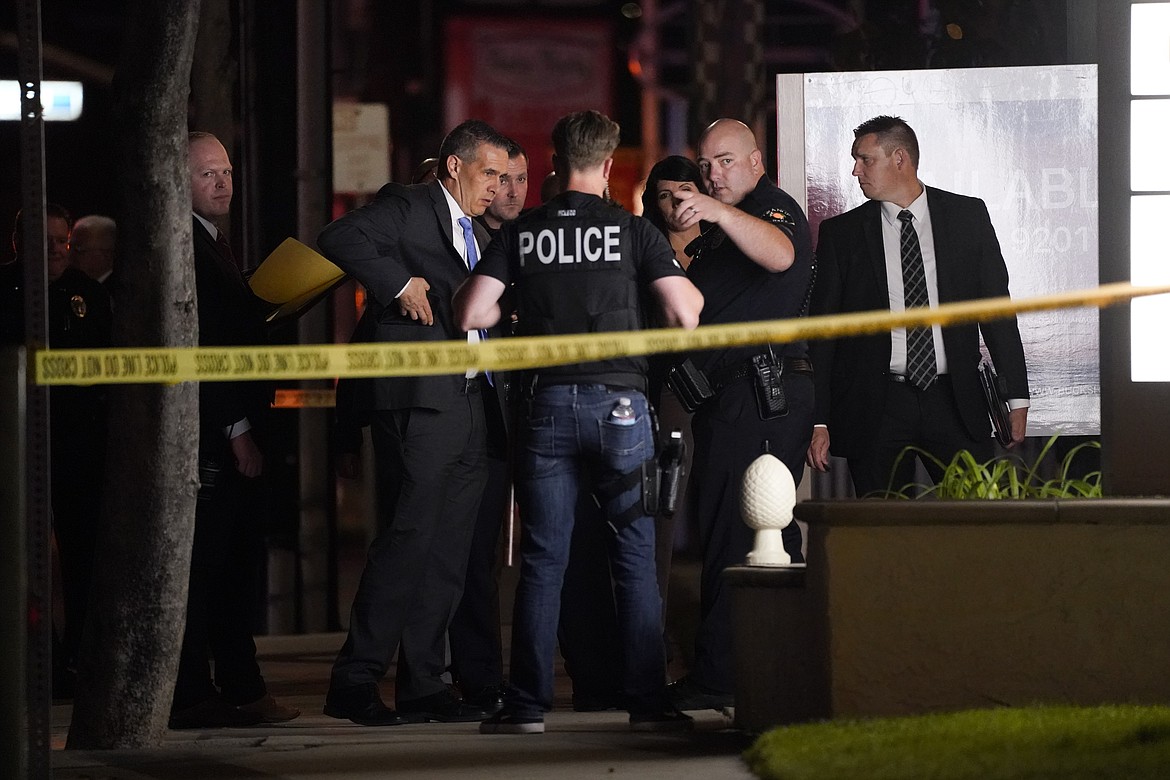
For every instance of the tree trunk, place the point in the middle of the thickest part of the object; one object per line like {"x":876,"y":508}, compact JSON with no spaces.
{"x":138,"y":603}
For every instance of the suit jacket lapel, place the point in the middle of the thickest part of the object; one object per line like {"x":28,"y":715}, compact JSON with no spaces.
{"x":943,"y":234}
{"x":443,"y":215}
{"x":482,"y":236}
{"x":875,"y":248}
{"x":226,"y":265}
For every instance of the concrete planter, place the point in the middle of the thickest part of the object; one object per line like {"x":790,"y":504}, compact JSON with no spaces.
{"x":918,"y":606}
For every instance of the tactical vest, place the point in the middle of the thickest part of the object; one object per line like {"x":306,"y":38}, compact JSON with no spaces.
{"x":576,"y":274}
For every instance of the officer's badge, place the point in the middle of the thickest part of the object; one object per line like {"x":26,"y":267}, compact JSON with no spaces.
{"x":77,"y":303}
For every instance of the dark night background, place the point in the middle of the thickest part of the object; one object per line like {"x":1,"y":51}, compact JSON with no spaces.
{"x":391,"y":52}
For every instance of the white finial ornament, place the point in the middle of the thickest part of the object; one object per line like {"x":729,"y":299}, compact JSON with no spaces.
{"x":766,"y":499}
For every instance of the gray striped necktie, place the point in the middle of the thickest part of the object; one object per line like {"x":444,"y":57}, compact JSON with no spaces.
{"x":920,"y":362}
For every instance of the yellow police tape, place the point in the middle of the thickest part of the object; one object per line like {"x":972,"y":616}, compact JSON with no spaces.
{"x":181,"y":364}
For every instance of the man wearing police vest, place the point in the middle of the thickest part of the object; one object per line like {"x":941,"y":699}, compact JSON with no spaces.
{"x":578,"y":265}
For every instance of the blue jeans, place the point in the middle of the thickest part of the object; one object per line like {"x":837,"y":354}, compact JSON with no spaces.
{"x":570,"y":437}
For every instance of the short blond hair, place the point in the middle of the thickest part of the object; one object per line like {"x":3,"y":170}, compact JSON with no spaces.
{"x":585,"y":139}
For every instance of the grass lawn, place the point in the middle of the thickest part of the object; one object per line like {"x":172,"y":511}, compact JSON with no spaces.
{"x":1071,"y":743}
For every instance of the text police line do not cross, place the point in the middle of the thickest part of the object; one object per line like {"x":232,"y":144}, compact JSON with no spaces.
{"x":180,"y":364}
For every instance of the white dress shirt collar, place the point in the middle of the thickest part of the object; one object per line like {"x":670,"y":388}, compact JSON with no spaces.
{"x":918,"y":208}
{"x":207,"y":223}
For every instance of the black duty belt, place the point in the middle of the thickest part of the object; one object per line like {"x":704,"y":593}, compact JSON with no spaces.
{"x":724,"y":377}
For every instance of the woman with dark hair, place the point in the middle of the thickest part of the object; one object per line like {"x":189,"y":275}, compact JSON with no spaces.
{"x":669,"y":176}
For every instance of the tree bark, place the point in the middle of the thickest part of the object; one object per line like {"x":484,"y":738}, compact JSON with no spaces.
{"x":138,"y":604}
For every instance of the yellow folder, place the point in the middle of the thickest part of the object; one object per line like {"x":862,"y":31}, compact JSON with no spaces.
{"x":293,"y":278}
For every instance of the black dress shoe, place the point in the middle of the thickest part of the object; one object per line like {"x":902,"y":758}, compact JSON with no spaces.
{"x":686,"y":694}
{"x":489,"y":698}
{"x":363,"y":705}
{"x":213,"y":713}
{"x":668,"y":719}
{"x":443,"y":707}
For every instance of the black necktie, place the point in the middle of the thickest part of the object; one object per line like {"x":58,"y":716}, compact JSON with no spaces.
{"x":225,"y":249}
{"x":225,"y":252}
{"x":920,"y":362}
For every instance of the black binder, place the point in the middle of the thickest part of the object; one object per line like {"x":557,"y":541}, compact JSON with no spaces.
{"x":993,"y":397}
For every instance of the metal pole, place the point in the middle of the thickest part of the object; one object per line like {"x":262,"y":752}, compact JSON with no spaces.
{"x":318,"y":606}
{"x":13,"y":637}
{"x":37,"y":582}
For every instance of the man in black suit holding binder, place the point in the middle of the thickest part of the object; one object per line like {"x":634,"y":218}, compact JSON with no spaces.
{"x":411,"y":247}
{"x":908,"y":246}
{"x":225,"y":546}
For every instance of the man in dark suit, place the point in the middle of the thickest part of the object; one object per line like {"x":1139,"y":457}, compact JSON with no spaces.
{"x":411,"y":247}
{"x":225,"y":548}
{"x":477,"y":655}
{"x":880,"y":393}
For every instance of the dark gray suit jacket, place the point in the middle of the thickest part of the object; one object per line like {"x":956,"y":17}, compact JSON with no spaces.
{"x":851,"y":276}
{"x":403,"y":232}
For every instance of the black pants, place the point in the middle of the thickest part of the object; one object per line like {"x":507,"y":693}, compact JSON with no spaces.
{"x":221,"y":592}
{"x":433,"y":465}
{"x":729,"y":435}
{"x":77,"y":470}
{"x":477,"y":659}
{"x":928,"y":419}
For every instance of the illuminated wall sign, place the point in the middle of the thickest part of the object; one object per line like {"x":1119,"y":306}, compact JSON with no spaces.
{"x":60,"y":100}
{"x":1149,"y":177}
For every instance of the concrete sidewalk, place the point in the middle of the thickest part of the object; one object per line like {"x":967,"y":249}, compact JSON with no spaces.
{"x":575,"y":745}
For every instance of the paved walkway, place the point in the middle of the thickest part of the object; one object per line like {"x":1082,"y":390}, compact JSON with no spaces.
{"x":575,"y":745}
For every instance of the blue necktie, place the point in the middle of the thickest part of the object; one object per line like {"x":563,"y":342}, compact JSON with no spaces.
{"x":472,"y":259}
{"x":469,"y":240}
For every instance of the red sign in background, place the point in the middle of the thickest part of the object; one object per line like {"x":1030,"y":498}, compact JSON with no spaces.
{"x":521,"y":75}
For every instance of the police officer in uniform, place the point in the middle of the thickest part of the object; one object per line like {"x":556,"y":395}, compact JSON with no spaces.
{"x":581,"y":266}
{"x":79,"y":317}
{"x":754,"y":263}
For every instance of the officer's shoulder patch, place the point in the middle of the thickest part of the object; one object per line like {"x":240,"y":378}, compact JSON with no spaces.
{"x":778,"y":215}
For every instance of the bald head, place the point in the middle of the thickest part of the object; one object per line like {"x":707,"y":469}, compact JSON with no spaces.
{"x":730,"y":131}
{"x":92,"y":245}
{"x":730,"y":160}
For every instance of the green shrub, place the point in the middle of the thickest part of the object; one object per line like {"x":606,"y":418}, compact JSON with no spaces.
{"x":1008,"y":477}
{"x":1017,"y":743}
